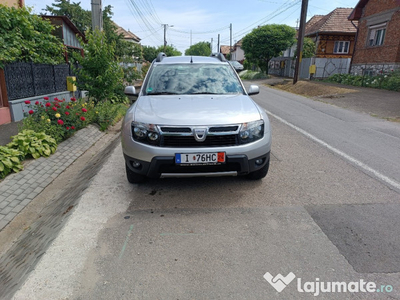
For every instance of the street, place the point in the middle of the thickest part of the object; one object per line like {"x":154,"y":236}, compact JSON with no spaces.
{"x":328,"y":211}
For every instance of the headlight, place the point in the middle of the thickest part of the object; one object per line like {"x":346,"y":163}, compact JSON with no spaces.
{"x":145,"y":133}
{"x":252,"y":131}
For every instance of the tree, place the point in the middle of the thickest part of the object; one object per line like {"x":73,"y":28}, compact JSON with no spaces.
{"x":169,"y":51}
{"x":26,"y":37}
{"x":99,"y":73}
{"x":266,"y":42}
{"x":149,"y":53}
{"x":308,"y":48}
{"x":201,"y":49}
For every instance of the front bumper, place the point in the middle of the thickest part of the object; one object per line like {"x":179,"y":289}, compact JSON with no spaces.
{"x":164,"y":166}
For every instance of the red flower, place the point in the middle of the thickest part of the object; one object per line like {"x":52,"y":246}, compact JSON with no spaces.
{"x":84,"y":109}
{"x":83,"y":118}
{"x":73,"y":99}
{"x":60,"y":122}
{"x":67,"y":128}
{"x":72,"y":127}
{"x":48,"y":104}
{"x":31,"y":112}
{"x":77,"y":114}
{"x":46,"y":98}
{"x":67,"y":113}
{"x":55,"y":99}
{"x":54,"y":108}
{"x":67,"y":107}
{"x":37,"y":103}
{"x":27,"y":102}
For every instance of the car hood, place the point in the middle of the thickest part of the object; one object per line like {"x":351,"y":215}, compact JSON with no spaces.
{"x":195,"y":110}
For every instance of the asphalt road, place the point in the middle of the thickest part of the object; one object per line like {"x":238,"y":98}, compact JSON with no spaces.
{"x":328,"y":211}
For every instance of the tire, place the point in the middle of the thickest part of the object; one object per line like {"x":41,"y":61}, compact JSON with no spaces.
{"x":134,"y":177}
{"x":259,"y":174}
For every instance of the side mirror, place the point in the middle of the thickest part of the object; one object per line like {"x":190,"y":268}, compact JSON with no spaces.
{"x":253,"y":90}
{"x":130,"y":91}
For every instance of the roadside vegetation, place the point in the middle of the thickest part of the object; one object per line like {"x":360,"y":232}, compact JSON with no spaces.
{"x":252,"y":75}
{"x":387,"y":81}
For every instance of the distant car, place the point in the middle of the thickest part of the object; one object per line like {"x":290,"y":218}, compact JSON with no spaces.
{"x":236,"y":65}
{"x":193,"y":117}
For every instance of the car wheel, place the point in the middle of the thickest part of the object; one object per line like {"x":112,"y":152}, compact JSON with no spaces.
{"x":134,"y":177}
{"x":259,"y":174}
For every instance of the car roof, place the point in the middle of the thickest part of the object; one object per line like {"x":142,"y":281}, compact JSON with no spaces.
{"x":190,"y":59}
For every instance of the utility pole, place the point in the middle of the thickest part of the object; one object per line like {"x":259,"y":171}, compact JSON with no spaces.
{"x":230,"y":44}
{"x":300,"y":38}
{"x":211,"y":45}
{"x":190,"y":38}
{"x":165,"y":34}
{"x":218,"y":49}
{"x":97,"y":15}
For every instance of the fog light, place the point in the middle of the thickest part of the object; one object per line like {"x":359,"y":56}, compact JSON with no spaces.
{"x":259,"y":161}
{"x":136,"y":164}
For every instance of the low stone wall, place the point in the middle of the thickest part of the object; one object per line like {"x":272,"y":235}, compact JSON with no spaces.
{"x":18,"y":107}
{"x":373,"y":69}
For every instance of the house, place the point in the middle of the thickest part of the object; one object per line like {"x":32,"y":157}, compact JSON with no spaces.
{"x":237,"y":52}
{"x":378,"y":37}
{"x":66,"y":31}
{"x":333,"y":34}
{"x":127,"y":35}
{"x":11,"y":3}
{"x":225,"y":50}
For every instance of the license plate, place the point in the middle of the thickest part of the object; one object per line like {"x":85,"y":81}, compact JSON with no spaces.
{"x":199,"y":158}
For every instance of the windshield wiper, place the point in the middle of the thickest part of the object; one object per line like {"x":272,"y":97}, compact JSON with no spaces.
{"x":204,"y":93}
{"x":162,"y":93}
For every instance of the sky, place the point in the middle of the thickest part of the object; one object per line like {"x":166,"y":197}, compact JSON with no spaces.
{"x":192,"y":21}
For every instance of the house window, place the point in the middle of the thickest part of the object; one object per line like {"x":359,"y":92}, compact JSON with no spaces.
{"x":341,"y":47}
{"x":377,"y":35}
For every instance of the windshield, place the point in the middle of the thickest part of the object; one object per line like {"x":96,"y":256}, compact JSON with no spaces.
{"x":192,"y":79}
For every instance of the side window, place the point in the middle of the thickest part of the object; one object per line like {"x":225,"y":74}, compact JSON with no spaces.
{"x":341,"y":47}
{"x":376,"y":35}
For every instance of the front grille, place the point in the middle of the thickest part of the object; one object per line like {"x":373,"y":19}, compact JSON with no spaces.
{"x":189,"y":141}
{"x":223,"y":129}
{"x":176,"y":129}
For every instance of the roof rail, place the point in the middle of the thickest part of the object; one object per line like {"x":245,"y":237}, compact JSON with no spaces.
{"x":160,"y":56}
{"x":219,"y":56}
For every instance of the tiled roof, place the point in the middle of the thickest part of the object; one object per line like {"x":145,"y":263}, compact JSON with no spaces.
{"x":127,"y":34}
{"x":224,"y":49}
{"x":335,"y":21}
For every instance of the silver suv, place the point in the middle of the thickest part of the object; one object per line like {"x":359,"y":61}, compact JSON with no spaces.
{"x":193,"y":117}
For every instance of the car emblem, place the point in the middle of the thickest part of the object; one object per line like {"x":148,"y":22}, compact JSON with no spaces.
{"x":200,"y":134}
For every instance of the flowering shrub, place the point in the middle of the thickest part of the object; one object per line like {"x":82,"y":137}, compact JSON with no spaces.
{"x":388,"y":81}
{"x":59,"y":119}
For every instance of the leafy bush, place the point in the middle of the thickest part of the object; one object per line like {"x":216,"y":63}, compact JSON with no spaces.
{"x":10,"y":160}
{"x":107,"y":114}
{"x":27,"y":37}
{"x":388,"y":81}
{"x":33,"y":144}
{"x":99,"y":73}
{"x":250,"y":75}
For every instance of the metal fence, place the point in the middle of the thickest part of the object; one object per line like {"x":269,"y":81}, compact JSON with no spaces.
{"x":28,"y":79}
{"x":325,"y":67}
